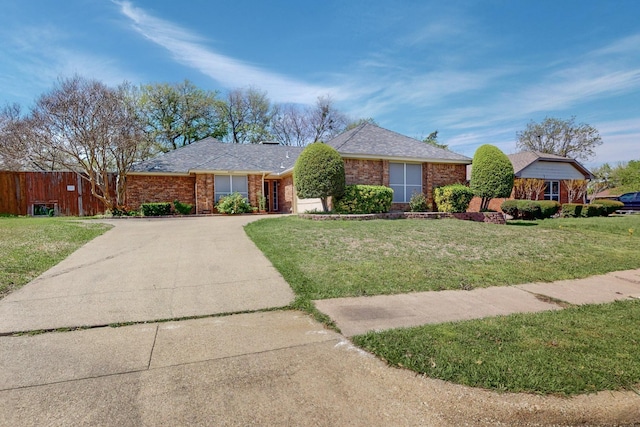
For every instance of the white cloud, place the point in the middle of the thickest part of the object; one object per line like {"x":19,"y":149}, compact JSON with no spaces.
{"x":188,"y":48}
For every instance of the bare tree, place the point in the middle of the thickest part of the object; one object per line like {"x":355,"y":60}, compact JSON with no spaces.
{"x":247,"y":113}
{"x":561,"y":137}
{"x":325,"y":120}
{"x":94,"y":130}
{"x":290,"y":125}
{"x":576,"y":189}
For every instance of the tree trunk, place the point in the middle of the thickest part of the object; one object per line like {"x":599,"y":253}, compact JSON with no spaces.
{"x":325,"y":205}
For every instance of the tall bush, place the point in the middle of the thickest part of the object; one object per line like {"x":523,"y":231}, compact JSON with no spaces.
{"x":319,"y":173}
{"x":452,"y":198}
{"x":491,"y":174}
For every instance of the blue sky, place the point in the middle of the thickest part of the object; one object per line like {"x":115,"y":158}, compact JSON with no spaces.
{"x":477,"y":71}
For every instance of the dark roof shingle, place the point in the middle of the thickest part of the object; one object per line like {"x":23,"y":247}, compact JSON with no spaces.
{"x":373,"y":141}
{"x":210,"y":154}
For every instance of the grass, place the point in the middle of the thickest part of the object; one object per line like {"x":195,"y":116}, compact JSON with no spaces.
{"x":30,"y":246}
{"x":328,"y":259}
{"x":568,"y":352}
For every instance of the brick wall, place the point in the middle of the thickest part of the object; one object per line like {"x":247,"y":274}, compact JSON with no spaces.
{"x":439,"y":174}
{"x":366,"y":172}
{"x":150,"y":189}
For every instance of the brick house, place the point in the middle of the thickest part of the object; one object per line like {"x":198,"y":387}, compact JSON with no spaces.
{"x":208,"y":169}
{"x":554,"y":170}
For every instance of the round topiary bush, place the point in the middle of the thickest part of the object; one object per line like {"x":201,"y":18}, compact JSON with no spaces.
{"x":319,"y":173}
{"x":491,"y":174}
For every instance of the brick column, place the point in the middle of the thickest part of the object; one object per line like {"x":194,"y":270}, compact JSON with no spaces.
{"x":205,"y":193}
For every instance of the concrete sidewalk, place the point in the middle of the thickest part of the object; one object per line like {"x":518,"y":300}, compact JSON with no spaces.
{"x":273,"y":368}
{"x":355,"y":316}
{"x":150,"y":269}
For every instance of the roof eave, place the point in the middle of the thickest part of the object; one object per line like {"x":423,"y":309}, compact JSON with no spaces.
{"x":158,"y":173}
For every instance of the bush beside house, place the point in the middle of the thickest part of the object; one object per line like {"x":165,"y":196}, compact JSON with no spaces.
{"x":364,"y":199}
{"x":453,"y":198}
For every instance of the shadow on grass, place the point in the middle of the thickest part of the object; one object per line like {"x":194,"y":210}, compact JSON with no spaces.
{"x":522,"y":223}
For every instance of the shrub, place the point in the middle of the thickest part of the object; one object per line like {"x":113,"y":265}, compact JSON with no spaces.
{"x":529,"y":209}
{"x":418,"y":203}
{"x":452,"y":198}
{"x":510,"y":207}
{"x":593,"y":210}
{"x":233,"y":204}
{"x":123,"y":211}
{"x":319,"y":172}
{"x":609,"y":206}
{"x":182,"y":208}
{"x":571,"y":210}
{"x":548,"y":208}
{"x":156,"y":209}
{"x":364,"y":199}
{"x":491,"y":174}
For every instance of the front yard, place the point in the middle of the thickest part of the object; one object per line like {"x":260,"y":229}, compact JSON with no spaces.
{"x":329,"y":259}
{"x":566,"y":352}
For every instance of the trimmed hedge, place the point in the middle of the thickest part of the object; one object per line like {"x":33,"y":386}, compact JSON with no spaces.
{"x":452,"y":198}
{"x":364,"y":199}
{"x":156,"y":209}
{"x":609,"y":206}
{"x":549,"y":208}
{"x":530,"y":209}
{"x":571,"y":210}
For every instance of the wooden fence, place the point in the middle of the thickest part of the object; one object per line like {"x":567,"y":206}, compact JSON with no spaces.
{"x":47,"y":193}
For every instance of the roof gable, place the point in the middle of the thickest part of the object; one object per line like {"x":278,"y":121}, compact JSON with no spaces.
{"x":525,"y":159}
{"x":369,"y":140}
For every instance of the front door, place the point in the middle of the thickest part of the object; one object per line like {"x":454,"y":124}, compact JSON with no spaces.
{"x":270,"y":191}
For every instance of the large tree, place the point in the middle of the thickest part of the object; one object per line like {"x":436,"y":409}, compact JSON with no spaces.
{"x":92,"y":129}
{"x":561,"y":137}
{"x":247,"y":113}
{"x":179,"y":114}
{"x":290,"y":125}
{"x":491,"y":174}
{"x":301,"y":125}
{"x":14,"y":153}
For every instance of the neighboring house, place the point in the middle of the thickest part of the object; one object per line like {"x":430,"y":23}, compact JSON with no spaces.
{"x":554,"y":170}
{"x":206,"y":170}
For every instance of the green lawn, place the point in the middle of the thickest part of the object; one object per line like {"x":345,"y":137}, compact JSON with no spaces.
{"x":576,"y":350}
{"x":327,"y":259}
{"x":572,"y":351}
{"x":30,"y":246}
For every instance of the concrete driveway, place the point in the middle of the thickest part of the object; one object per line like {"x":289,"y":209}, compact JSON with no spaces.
{"x":150,"y":269}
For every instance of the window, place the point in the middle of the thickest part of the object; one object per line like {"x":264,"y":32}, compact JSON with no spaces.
{"x":227,"y":184}
{"x":552,"y":190}
{"x":405,"y":179}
